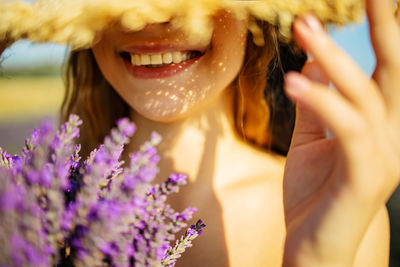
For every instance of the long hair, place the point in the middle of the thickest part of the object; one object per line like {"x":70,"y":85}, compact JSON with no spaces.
{"x":263,"y":115}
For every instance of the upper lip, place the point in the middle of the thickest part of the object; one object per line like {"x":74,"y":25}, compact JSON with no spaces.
{"x":160,"y":48}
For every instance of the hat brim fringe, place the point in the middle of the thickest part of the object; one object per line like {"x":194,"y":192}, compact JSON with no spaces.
{"x":78,"y":23}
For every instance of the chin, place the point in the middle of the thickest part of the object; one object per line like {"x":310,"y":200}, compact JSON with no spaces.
{"x":164,"y":112}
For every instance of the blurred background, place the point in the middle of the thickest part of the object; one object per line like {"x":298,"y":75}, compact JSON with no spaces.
{"x":31,"y":89}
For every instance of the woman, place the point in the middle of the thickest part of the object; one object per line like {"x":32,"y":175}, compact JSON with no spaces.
{"x":334,"y":188}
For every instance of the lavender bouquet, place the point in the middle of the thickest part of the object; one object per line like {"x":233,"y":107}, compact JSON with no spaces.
{"x":56,"y":210}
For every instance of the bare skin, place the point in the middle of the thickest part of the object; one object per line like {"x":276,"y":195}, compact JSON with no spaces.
{"x":324,"y":205}
{"x":244,"y":216}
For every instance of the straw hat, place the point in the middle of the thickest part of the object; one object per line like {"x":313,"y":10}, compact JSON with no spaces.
{"x":78,"y":22}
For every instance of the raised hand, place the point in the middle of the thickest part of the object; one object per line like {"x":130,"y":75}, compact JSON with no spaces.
{"x":334,"y":186}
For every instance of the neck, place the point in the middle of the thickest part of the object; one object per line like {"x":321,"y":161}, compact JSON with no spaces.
{"x":191,"y":145}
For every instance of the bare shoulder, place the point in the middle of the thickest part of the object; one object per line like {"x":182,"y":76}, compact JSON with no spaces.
{"x":252,"y":200}
{"x":252,"y":177}
{"x":374,"y":248}
{"x":248,"y":166}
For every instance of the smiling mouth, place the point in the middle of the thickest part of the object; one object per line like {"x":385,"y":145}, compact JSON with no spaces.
{"x":159,"y":65}
{"x":160,"y":60}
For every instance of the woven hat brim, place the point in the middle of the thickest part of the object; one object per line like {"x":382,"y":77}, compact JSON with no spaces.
{"x":78,"y":22}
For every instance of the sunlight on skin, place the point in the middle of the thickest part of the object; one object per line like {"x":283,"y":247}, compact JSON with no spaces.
{"x":172,"y":97}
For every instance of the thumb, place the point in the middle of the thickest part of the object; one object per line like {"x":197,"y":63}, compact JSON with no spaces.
{"x":308,"y":127}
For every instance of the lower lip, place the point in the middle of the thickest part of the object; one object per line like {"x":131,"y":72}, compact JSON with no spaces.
{"x":159,"y":72}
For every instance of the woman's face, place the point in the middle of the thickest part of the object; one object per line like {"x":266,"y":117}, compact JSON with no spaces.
{"x":163,"y":76}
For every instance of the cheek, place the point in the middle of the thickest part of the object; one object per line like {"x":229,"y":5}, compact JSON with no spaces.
{"x":107,"y":62}
{"x":105,"y":59}
{"x":228,"y":51}
{"x":113,"y":69}
{"x":224,"y":62}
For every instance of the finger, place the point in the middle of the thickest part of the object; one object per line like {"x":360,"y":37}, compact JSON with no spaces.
{"x":308,"y":127}
{"x":388,"y":80}
{"x":327,"y":105}
{"x":385,"y":35}
{"x":380,"y":12}
{"x":313,"y":71}
{"x":344,"y":73}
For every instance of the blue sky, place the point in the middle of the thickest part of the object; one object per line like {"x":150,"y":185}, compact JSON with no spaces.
{"x":24,"y":54}
{"x":353,"y":38}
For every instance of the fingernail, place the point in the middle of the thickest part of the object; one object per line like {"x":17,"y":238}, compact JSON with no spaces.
{"x":296,"y":84}
{"x":313,"y":23}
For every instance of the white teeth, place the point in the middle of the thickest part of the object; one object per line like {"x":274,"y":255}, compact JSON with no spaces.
{"x":167,"y":58}
{"x":137,"y":60}
{"x":177,"y":57}
{"x":145,"y":59}
{"x":156,"y":59}
{"x":159,"y":59}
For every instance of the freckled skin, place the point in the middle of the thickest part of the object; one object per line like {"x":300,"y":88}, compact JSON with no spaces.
{"x":173,"y":97}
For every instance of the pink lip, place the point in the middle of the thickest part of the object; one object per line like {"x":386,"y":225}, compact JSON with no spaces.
{"x":160,"y":48}
{"x":142,"y":72}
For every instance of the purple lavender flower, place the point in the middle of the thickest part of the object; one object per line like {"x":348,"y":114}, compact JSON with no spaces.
{"x":23,"y":253}
{"x":57,"y":210}
{"x":37,"y":137}
{"x":181,"y":245}
{"x":75,"y":158}
{"x":22,"y":236}
{"x":5,"y":159}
